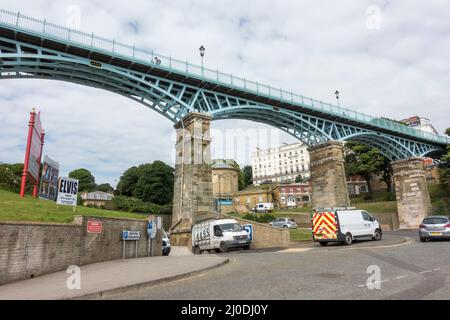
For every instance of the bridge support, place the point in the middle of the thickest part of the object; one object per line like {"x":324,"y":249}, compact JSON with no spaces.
{"x":411,"y":188}
{"x":329,"y":182}
{"x":193,"y":196}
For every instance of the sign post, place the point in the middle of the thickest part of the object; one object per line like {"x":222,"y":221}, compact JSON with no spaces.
{"x":151,"y":233}
{"x":131,"y":235}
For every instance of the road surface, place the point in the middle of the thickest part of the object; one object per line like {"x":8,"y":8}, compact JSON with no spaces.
{"x":411,"y":270}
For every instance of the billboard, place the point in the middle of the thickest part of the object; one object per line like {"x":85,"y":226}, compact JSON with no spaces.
{"x":33,"y":152}
{"x":35,"y":148}
{"x":49,"y":179}
{"x":67,"y":191}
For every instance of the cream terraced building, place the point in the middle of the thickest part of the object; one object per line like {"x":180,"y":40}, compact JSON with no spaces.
{"x":282,"y":164}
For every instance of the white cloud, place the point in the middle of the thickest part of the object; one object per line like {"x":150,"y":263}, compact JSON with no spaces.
{"x":312,"y":47}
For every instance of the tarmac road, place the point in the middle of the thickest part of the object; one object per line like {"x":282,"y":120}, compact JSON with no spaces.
{"x":410,"y":270}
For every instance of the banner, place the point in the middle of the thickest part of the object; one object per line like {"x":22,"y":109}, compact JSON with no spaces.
{"x":67,"y":191}
{"x":49,"y":179}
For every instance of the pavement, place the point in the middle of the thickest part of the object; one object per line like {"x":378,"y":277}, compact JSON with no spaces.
{"x":99,"y":280}
{"x":409,"y":269}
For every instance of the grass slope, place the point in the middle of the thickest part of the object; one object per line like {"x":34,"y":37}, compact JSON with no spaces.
{"x":14,"y":208}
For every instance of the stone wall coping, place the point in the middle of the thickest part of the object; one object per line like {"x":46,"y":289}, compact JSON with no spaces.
{"x":39,"y":223}
{"x":68,"y":224}
{"x":190,"y":116}
{"x":326,"y":145}
{"x":224,"y":216}
{"x":406,"y":161}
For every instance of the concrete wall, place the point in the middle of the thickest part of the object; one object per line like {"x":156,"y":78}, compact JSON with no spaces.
{"x":31,"y":249}
{"x":265,"y":236}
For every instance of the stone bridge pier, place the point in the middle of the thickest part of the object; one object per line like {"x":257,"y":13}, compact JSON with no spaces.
{"x":411,"y":189}
{"x":193,"y":197}
{"x":328,"y":178}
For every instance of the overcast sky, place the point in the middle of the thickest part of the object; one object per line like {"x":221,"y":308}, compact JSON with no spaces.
{"x":387,"y":58}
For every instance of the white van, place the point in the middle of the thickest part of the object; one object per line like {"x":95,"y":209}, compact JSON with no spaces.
{"x":344,"y":225}
{"x":220,"y":235}
{"x":263,"y":207}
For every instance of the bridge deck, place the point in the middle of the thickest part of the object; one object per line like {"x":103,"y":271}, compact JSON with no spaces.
{"x":46,"y":35}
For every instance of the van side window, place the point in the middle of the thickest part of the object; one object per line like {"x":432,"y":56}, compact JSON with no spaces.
{"x":217,"y":231}
{"x":365,"y":216}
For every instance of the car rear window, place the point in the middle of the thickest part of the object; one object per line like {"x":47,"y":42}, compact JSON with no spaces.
{"x":292,"y":220}
{"x":435,"y":220}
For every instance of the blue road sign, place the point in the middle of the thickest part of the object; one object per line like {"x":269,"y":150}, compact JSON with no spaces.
{"x":249,"y":229}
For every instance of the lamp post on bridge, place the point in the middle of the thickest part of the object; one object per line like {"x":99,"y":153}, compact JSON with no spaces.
{"x":337,"y":97}
{"x":202,"y":54}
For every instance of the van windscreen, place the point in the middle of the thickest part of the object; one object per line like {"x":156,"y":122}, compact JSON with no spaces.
{"x":230,"y":227}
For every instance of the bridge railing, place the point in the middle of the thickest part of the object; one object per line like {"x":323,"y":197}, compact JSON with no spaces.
{"x":111,"y":47}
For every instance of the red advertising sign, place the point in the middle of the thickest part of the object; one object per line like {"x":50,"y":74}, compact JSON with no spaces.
{"x":33,"y":152}
{"x":94,"y":227}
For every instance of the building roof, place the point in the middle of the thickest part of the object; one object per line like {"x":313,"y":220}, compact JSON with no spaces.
{"x":224,"y":164}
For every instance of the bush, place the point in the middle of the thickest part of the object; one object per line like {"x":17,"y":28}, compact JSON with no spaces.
{"x":441,"y":207}
{"x":262,"y":218}
{"x":130,"y":204}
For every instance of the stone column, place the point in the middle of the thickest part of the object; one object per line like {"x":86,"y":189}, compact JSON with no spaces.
{"x":411,"y":189}
{"x":328,"y":179}
{"x":193,"y":196}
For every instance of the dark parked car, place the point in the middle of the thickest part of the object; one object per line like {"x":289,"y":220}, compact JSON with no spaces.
{"x":434,"y":227}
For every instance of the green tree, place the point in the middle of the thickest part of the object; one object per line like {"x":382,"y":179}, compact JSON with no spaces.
{"x":155,"y":183}
{"x":105,"y":187}
{"x":365,"y":161}
{"x":444,"y":166}
{"x":299,"y":178}
{"x":85,"y":178}
{"x":247,"y":176}
{"x":11,"y":176}
{"x":127,"y":182}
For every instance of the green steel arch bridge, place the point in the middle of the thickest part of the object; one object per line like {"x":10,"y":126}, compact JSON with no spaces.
{"x":34,"y":48}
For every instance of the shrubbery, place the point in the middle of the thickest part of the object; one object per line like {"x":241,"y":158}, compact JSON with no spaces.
{"x":263,"y":218}
{"x":130,"y":204}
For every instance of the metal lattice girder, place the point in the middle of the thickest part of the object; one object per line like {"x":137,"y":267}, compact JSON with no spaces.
{"x":175,"y":95}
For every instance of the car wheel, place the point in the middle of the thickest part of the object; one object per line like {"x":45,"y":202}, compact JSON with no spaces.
{"x":423,"y":239}
{"x":348,"y":239}
{"x":377,"y":236}
{"x":247,"y":247}
{"x":197,"y":250}
{"x":222,"y":247}
{"x":285,"y":227}
{"x":323,"y":244}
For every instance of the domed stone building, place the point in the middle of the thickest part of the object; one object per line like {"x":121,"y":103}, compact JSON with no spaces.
{"x":225,"y":180}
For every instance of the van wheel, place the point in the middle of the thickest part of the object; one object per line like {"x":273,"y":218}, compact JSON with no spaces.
{"x":348,"y":239}
{"x":377,"y":236}
{"x":222,"y":247}
{"x":323,"y":244}
{"x":197,"y":250}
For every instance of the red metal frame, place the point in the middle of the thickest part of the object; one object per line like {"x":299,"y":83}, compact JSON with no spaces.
{"x":26,"y":164}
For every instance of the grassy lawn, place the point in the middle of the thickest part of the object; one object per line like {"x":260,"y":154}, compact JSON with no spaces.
{"x":300,"y":234}
{"x":378,"y":207}
{"x":14,"y":208}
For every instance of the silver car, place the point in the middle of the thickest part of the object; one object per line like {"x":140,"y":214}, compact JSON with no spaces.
{"x":288,"y":223}
{"x":434,"y":227}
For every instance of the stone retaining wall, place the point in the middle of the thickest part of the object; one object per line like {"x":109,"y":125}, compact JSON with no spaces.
{"x":30,"y":249}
